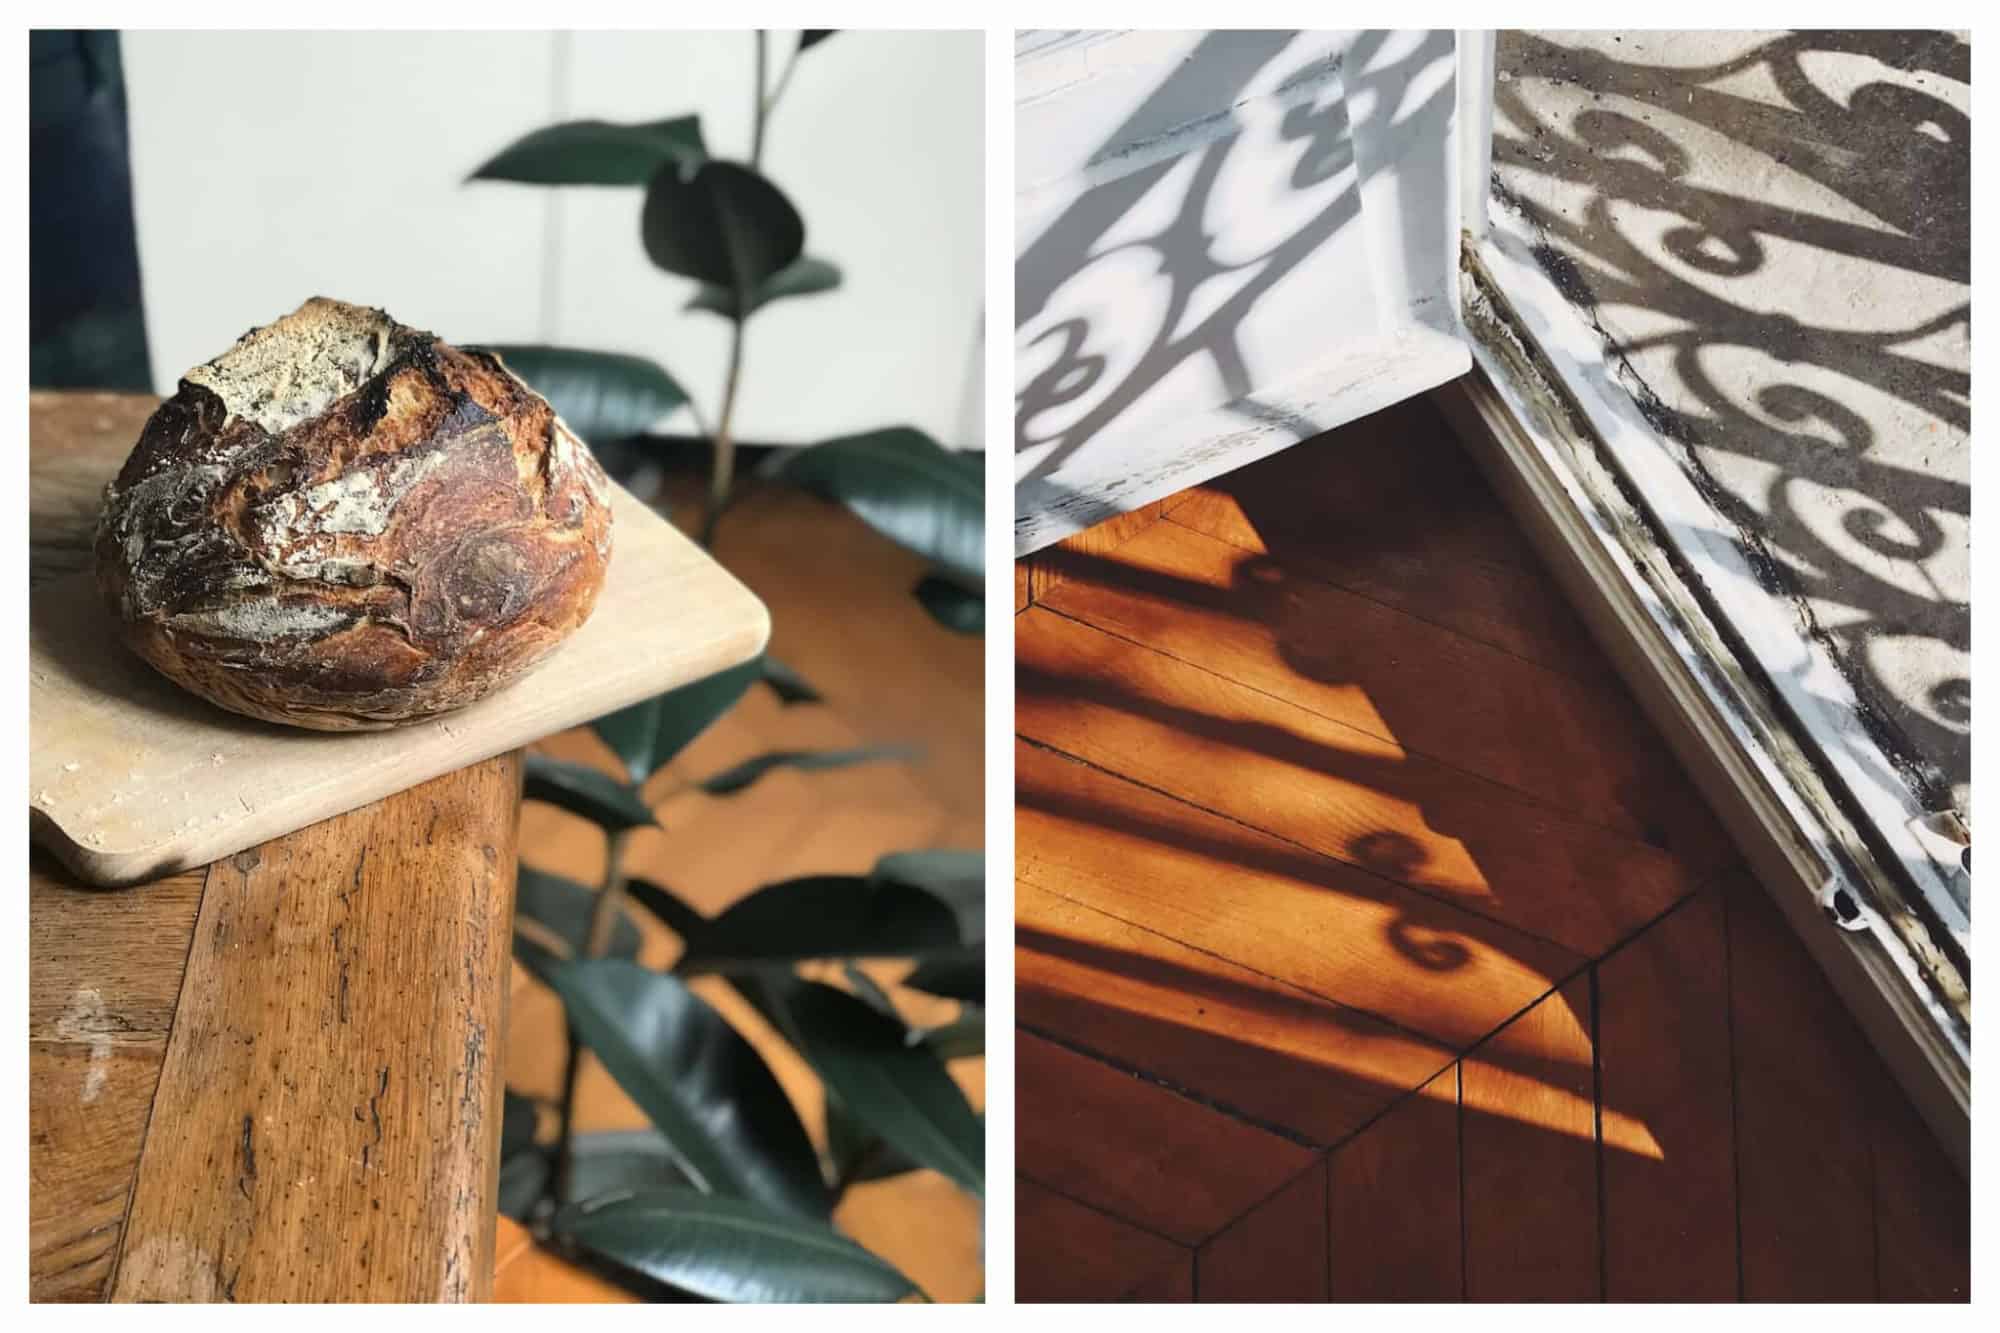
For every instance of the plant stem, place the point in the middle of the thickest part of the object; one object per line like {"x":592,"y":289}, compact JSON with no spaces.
{"x":784,"y":81}
{"x":597,"y":941}
{"x":722,"y":473}
{"x":604,"y":912}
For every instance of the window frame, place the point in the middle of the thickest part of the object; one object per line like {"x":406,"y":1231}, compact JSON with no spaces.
{"x":1783,"y":754}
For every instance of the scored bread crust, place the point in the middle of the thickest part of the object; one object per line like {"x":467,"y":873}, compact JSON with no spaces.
{"x":345,"y":524}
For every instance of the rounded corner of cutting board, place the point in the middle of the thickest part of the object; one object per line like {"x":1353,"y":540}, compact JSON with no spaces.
{"x":760,"y":629}
{"x":95,"y":866}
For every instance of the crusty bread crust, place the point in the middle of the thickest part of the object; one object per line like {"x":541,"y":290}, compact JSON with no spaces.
{"x":343,"y":523}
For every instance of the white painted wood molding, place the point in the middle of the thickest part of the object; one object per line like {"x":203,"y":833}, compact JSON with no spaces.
{"x":1729,"y":733}
{"x":1226,"y":242}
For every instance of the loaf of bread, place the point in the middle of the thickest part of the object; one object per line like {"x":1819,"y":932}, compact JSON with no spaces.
{"x":342,"y":523}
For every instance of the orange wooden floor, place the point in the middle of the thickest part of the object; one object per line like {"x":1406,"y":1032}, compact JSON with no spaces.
{"x":1371,"y":945}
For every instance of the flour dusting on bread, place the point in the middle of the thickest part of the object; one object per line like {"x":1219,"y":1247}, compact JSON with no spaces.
{"x":294,"y":369}
{"x":342,"y":523}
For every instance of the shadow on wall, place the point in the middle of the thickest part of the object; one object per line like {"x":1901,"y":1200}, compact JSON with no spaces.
{"x":1162,"y":248}
{"x":1779,"y":245}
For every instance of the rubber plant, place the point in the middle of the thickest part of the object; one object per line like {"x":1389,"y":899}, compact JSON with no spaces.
{"x":726,"y":1197}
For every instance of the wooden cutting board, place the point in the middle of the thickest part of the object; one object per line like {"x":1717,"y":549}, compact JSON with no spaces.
{"x":131,"y":777}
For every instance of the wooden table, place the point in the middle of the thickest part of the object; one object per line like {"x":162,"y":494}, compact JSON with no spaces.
{"x":276,"y":1077}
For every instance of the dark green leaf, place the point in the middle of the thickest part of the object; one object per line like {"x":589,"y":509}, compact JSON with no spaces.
{"x":812,"y":37}
{"x":604,"y":801}
{"x":597,"y":152}
{"x":954,"y":877}
{"x":667,"y":906}
{"x":602,"y":396}
{"x":823,"y":916}
{"x":870,"y":990}
{"x":724,"y":225}
{"x":517,"y":1124}
{"x":964,"y":1035}
{"x":952,"y":606}
{"x":901,"y":483}
{"x":647,"y":735}
{"x":701,"y":1084}
{"x":563,"y":907}
{"x":787,"y":684}
{"x":803,"y":277}
{"x":901,"y":1092}
{"x":631,"y":733}
{"x":728,"y":1249}
{"x":628,"y":1159}
{"x":856,"y":1154}
{"x":953,"y":976}
{"x":763,"y":990}
{"x":738,"y":776}
{"x":524,"y":1181}
{"x":600,"y":1163}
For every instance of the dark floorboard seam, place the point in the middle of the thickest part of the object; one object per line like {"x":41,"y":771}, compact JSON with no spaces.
{"x":1330,"y":1001}
{"x":1101,"y":1210}
{"x":1109,"y":1061}
{"x":1581,"y":960}
{"x":1464,"y":1218}
{"x":1319,"y":1156}
{"x":1548,"y":805}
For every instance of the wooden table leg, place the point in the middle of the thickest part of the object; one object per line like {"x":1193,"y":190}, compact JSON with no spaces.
{"x":327,"y":1121}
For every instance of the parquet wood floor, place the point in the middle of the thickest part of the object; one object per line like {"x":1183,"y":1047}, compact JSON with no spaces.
{"x":1370,"y":944}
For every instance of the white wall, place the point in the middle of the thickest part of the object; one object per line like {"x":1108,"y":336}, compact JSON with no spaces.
{"x":268,"y":167}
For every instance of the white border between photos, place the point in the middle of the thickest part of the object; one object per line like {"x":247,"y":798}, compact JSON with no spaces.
{"x":1000,"y":22}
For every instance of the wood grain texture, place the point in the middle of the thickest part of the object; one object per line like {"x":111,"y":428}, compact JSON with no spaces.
{"x":1923,"y":1212}
{"x":1343,"y":793}
{"x":1274,"y":1053}
{"x":1670,"y":1149}
{"x":1171,"y":1285}
{"x":1350,"y":937}
{"x":131,"y":777}
{"x":1581,"y":746}
{"x":1054,"y":565}
{"x":119,"y":955}
{"x":1192,"y":1170}
{"x":1805,"y":1197}
{"x":1530,"y":1161}
{"x":104,"y":976}
{"x":327,"y":1117}
{"x":87,"y":1110}
{"x":1395,"y":1221}
{"x":1064,"y":1251}
{"x":1395,"y":511}
{"x":1275,"y":1252}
